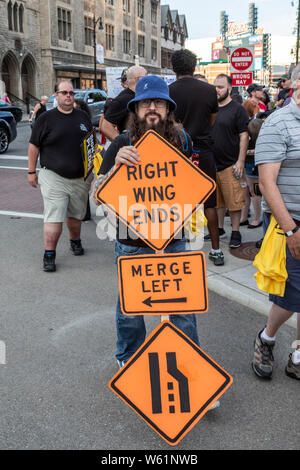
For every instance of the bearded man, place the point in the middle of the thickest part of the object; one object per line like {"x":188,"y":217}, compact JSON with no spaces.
{"x":230,"y":134}
{"x":152,"y":108}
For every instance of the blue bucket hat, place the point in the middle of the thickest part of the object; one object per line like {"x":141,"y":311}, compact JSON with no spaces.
{"x":151,"y":87}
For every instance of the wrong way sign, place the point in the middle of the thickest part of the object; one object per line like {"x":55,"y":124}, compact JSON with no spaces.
{"x":241,"y":66}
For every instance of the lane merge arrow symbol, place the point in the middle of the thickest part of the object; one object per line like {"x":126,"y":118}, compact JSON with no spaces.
{"x":149,"y":301}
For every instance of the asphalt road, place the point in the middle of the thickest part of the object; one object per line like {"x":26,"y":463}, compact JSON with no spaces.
{"x":59,"y":333}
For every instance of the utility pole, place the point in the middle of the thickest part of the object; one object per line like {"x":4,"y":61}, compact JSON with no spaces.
{"x":95,"y":22}
{"x":298,"y":33}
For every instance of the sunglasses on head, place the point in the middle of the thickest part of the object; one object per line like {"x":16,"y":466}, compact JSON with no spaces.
{"x":64,"y":92}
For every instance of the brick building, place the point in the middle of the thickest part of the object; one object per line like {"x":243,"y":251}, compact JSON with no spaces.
{"x":44,"y":41}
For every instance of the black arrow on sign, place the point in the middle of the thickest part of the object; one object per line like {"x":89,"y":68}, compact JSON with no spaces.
{"x":149,"y":302}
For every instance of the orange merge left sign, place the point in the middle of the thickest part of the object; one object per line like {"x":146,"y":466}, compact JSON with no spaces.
{"x":155,"y":198}
{"x":163,"y":283}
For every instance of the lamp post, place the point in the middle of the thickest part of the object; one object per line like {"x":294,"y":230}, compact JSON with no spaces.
{"x":95,"y":22}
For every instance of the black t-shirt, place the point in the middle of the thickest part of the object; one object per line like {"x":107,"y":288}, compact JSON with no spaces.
{"x":40,"y":111}
{"x":196,"y":101}
{"x":232,"y":120}
{"x":117,"y":113}
{"x":59,"y":137}
{"x":284,"y":94}
{"x":109,"y":161}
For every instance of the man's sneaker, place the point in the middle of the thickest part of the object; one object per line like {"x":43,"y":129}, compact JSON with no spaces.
{"x":215,"y":405}
{"x":121,"y":363}
{"x":263,"y":359}
{"x":292,"y":370}
{"x":49,"y":263}
{"x":217,"y":258}
{"x":76,"y":247}
{"x":222,"y":234}
{"x":235,"y":240}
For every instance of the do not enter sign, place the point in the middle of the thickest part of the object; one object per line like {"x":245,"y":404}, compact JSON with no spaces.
{"x":241,"y":59}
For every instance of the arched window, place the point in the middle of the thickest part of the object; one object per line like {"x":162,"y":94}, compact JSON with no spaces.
{"x":15,"y":16}
{"x":21,"y":17}
{"x":9,"y":16}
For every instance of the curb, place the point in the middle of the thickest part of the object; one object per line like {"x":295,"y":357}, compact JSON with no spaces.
{"x":248,"y":297}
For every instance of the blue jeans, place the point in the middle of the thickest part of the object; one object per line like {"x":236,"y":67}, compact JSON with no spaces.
{"x":131,"y":331}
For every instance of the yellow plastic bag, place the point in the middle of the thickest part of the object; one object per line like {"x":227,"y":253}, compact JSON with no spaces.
{"x":196,"y":223}
{"x":271,"y":261}
{"x":98,"y":160}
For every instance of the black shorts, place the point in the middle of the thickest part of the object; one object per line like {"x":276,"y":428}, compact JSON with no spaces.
{"x":204,"y":160}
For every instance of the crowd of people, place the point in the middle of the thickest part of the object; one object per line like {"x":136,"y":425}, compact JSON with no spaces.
{"x":242,"y":146}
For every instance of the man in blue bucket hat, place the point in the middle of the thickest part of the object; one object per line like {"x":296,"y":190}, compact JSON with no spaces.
{"x":151,"y":108}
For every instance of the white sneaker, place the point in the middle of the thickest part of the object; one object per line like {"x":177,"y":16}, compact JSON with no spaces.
{"x":215,"y":405}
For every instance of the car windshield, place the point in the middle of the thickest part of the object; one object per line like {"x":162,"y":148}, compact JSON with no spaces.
{"x":79,"y":95}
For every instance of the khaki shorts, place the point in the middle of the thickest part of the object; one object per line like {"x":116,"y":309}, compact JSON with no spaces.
{"x":63,"y":197}
{"x":230,"y":195}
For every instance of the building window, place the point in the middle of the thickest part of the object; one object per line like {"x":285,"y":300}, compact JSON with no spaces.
{"x":126,"y":6}
{"x":64,"y":24}
{"x":141,"y":46}
{"x":126,"y":42}
{"x":21,"y":16}
{"x":141,"y":8}
{"x":9,"y":16}
{"x":153,"y":12}
{"x":15,"y":17}
{"x":110,"y":37}
{"x":109,"y":2}
{"x":153,"y":49}
{"x":174,"y":37}
{"x":88,"y":31}
{"x":166,"y":33}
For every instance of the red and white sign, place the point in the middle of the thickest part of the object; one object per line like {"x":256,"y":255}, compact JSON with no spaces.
{"x":241,"y":59}
{"x":241,"y":66}
{"x":258,"y":50}
{"x":242,"y":79}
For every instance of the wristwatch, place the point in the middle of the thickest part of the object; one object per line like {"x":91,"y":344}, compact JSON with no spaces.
{"x":291,"y":232}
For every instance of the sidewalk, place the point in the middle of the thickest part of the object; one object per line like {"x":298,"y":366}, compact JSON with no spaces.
{"x":235,"y":280}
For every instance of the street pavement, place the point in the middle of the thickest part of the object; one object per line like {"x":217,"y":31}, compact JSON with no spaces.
{"x":59,"y":333}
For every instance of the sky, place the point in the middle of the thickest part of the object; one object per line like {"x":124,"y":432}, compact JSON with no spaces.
{"x":276,"y":16}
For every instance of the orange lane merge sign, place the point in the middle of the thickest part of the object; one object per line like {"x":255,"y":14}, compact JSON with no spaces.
{"x":157,"y":197}
{"x":170,"y":382}
{"x":163,"y":283}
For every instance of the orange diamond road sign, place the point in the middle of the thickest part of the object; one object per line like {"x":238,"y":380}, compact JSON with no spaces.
{"x":155,"y":198}
{"x":163,"y":283}
{"x":170,"y":382}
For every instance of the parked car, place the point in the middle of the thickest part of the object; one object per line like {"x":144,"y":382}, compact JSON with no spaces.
{"x":94,"y":97}
{"x":8,"y":130}
{"x":15,"y":110}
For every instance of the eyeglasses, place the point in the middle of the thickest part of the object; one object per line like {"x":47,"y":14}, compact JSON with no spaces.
{"x":157,"y":103}
{"x":65,"y":93}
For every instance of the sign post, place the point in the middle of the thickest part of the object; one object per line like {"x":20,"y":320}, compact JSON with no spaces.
{"x":241,"y":66}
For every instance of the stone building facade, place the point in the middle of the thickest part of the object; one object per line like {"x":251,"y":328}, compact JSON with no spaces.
{"x":45,"y":41}
{"x":173,"y":35}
